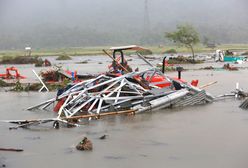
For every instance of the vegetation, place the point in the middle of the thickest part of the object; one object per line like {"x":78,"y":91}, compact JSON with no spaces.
{"x":170,"y":51}
{"x":167,"y":68}
{"x":39,"y":62}
{"x":19,"y":87}
{"x":20,"y":60}
{"x":186,"y":36}
{"x":183,"y":60}
{"x":145,"y":52}
{"x":64,"y":57}
{"x":3,"y":84}
{"x":81,"y":51}
{"x":73,"y":51}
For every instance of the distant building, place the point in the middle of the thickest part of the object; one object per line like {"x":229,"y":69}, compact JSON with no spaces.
{"x":211,"y":45}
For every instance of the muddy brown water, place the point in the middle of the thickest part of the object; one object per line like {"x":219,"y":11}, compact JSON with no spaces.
{"x":213,"y":135}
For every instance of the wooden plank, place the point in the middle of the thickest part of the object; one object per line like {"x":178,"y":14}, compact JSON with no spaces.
{"x":208,"y":84}
{"x":98,"y":115}
{"x":11,"y":149}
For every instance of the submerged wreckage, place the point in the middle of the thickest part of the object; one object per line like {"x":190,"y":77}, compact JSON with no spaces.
{"x":119,"y":91}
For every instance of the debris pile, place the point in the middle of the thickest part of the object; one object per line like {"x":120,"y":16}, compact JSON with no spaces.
{"x":125,"y":93}
{"x":57,"y":75}
{"x":182,"y":60}
{"x":132,"y":92}
{"x":50,"y":75}
{"x":41,"y":63}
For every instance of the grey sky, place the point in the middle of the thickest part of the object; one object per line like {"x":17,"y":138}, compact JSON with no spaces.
{"x":120,"y":16}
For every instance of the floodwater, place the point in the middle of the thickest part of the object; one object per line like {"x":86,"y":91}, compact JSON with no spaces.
{"x":207,"y":136}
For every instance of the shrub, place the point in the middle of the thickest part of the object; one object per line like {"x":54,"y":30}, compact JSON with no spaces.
{"x":63,"y":56}
{"x":170,"y":51}
{"x":145,"y":52}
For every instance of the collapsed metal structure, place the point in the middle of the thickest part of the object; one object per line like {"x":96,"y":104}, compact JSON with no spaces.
{"x":133,"y":92}
{"x":105,"y":93}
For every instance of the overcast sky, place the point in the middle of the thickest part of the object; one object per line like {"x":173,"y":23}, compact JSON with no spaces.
{"x":120,"y":15}
{"x":97,"y":12}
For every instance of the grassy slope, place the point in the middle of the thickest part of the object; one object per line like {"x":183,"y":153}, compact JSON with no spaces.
{"x":98,"y":50}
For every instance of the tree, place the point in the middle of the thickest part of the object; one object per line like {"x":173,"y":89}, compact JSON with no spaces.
{"x":186,"y":36}
{"x":205,"y":41}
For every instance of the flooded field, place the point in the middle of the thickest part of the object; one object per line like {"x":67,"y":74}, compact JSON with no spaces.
{"x":213,"y":135}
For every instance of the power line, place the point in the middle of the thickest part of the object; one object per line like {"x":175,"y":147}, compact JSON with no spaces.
{"x":146,"y":25}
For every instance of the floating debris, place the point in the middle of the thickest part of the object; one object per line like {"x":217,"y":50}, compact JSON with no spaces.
{"x":56,"y":125}
{"x":58,"y":75}
{"x":244,"y":104}
{"x":85,"y":144}
{"x":208,"y":68}
{"x":230,"y":68}
{"x":11,"y":149}
{"x":241,"y":94}
{"x":115,"y":157}
{"x":52,"y":76}
{"x":83,"y":62}
{"x":103,"y":137}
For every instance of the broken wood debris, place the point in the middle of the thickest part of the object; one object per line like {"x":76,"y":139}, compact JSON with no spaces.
{"x":11,"y":149}
{"x":98,"y":116}
{"x":103,"y":137}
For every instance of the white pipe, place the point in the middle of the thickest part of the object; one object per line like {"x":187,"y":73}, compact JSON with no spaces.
{"x":44,"y":86}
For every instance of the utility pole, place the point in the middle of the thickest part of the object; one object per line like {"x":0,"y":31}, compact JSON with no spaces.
{"x":146,"y":25}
